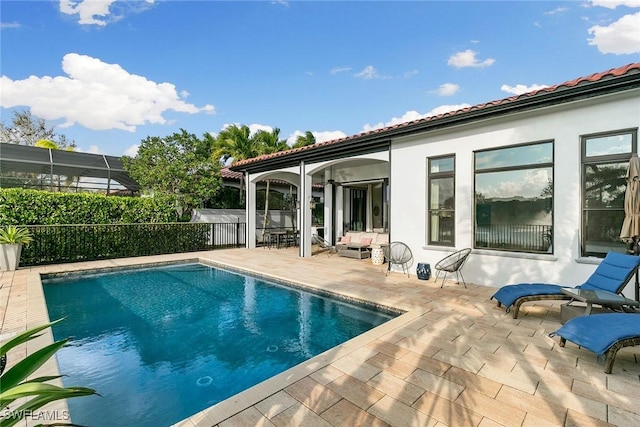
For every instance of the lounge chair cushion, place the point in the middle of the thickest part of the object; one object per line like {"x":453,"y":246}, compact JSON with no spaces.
{"x":599,"y":332}
{"x":507,"y":295}
{"x":611,"y":275}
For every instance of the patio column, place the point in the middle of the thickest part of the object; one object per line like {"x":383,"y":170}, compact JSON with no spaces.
{"x":339,"y":211}
{"x":305,"y":212}
{"x":250,"y":210}
{"x":328,"y":212}
{"x":369,"y":214}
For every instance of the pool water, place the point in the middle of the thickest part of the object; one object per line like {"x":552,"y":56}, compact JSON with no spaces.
{"x":161,"y":344}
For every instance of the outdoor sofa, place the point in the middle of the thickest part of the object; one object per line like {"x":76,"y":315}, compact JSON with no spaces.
{"x":357,"y":244}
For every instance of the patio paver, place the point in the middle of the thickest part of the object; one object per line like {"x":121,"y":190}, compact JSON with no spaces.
{"x":453,"y":359}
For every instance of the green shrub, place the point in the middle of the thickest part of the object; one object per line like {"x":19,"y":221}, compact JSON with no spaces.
{"x":35,"y":207}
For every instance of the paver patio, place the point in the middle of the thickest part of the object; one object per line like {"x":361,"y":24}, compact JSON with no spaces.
{"x":452,"y":359}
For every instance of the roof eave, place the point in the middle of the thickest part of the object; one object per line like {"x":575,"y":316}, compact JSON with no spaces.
{"x":380,"y":141}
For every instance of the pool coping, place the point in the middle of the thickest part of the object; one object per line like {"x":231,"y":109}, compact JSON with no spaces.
{"x":229,"y":407}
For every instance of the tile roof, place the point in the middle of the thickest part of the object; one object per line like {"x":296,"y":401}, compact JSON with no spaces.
{"x":227,"y":173}
{"x":615,"y":72}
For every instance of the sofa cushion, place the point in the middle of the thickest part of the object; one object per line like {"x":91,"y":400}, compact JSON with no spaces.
{"x":382,"y":239}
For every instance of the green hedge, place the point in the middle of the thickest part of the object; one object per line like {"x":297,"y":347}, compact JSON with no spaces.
{"x":34,"y":207}
{"x":53,"y":244}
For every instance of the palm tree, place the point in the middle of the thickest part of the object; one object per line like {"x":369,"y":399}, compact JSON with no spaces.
{"x":269,"y":142}
{"x":234,"y":143}
{"x":51,"y":145}
{"x":306,"y":139}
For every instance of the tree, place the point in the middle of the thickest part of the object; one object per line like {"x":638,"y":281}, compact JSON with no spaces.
{"x":234,"y":142}
{"x":178,"y":165}
{"x":47,"y":143}
{"x":26,"y":129}
{"x":269,"y":142}
{"x":304,"y":140}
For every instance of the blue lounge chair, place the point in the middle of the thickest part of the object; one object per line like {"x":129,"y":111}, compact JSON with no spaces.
{"x":604,"y":334}
{"x":612,"y":275}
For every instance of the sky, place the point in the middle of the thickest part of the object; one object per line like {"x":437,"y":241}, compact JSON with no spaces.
{"x":110,"y":73}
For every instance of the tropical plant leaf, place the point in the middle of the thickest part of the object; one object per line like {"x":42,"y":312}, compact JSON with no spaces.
{"x":25,"y":336}
{"x":21,"y":370}
{"x":45,"y":395}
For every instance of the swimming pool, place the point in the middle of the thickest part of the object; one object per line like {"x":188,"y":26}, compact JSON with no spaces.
{"x":160,"y":344}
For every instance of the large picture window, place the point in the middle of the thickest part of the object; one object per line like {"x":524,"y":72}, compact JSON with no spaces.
{"x":514,"y":198}
{"x":605,"y":158}
{"x":441,"y":201}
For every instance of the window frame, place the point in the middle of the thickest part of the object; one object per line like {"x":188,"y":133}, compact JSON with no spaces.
{"x":599,"y":160}
{"x":476,"y":171}
{"x":440,"y":175}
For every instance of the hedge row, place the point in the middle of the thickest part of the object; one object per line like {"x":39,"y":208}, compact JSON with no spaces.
{"x":34,"y":207}
{"x":74,"y":243}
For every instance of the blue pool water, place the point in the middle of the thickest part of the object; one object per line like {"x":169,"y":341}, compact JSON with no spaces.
{"x":160,"y":344}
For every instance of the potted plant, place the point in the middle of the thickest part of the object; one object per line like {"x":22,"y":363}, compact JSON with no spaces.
{"x":12,"y":239}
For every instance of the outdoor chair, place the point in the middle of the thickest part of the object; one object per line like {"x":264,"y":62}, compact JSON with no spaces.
{"x":603,"y":334}
{"x":291,"y":238}
{"x":331,"y":249}
{"x":452,"y":264}
{"x":398,"y":253}
{"x":612,"y":275}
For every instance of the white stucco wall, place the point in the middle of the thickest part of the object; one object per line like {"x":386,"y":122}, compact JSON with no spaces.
{"x":564,"y":125}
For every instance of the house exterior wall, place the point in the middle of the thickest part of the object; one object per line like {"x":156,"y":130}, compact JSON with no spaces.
{"x":564,"y":125}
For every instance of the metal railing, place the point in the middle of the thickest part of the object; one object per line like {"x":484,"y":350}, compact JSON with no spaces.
{"x":53,"y":244}
{"x":517,"y":237}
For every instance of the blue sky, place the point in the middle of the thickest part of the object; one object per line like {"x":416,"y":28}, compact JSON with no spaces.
{"x":109,"y":73}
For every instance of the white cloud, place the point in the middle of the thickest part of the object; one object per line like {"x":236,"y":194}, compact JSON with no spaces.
{"x":410,"y":116}
{"x":87,"y":11}
{"x":338,"y":70}
{"x":368,"y":73}
{"x":99,"y":12}
{"x":621,"y":37}
{"x":612,"y":4}
{"x":94,"y":149}
{"x":556,"y":11}
{"x":253,"y":128}
{"x":96,"y":95}
{"x":520,"y":89}
{"x":468,"y":58}
{"x":322,"y":136}
{"x":409,"y":74}
{"x":447,"y":89}
{"x":132,"y":151}
{"x":9,"y":25}
{"x":528,"y":184}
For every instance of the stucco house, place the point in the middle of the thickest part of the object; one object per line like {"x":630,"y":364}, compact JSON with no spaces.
{"x":533,"y":183}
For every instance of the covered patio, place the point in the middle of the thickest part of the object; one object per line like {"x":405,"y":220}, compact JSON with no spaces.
{"x":334,"y":194}
{"x":453,"y":358}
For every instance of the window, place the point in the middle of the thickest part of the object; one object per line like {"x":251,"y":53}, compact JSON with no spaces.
{"x":441,"y":206}
{"x":514,"y":198}
{"x":605,"y":158}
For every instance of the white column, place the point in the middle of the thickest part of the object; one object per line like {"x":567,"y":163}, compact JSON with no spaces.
{"x":328,"y":212}
{"x":250,"y":211}
{"x":305,"y":212}
{"x":339,"y":211}
{"x":369,"y":213}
